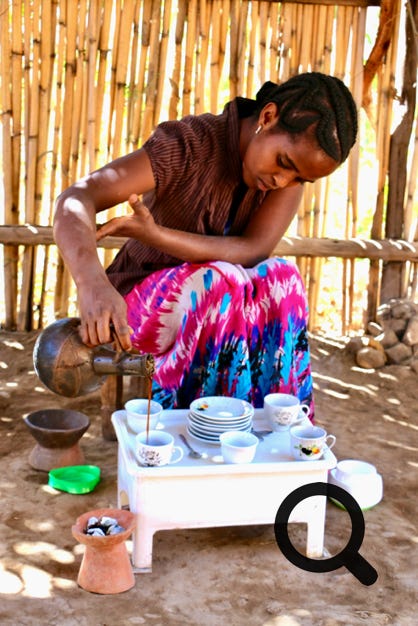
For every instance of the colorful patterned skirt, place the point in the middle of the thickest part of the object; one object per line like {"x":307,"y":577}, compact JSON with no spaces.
{"x":220,"y":329}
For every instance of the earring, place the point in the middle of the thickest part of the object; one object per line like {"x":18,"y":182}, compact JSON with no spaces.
{"x":258,"y":129}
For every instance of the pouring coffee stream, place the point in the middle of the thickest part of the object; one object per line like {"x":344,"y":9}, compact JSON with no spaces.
{"x":69,"y":368}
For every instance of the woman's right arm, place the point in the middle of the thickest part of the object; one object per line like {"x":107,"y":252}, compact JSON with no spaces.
{"x":100,"y":305}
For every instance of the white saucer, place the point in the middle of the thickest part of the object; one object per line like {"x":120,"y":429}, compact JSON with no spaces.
{"x":221,"y":407}
{"x":212,"y":442}
{"x":217,"y":427}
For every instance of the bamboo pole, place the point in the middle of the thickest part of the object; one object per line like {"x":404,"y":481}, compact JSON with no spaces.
{"x":69,"y":32}
{"x":16,"y":101}
{"x":233,"y":49}
{"x":105,"y":16}
{"x":352,"y":248}
{"x":343,"y":26}
{"x":55,"y":123}
{"x":214,"y":58}
{"x":121,"y":72}
{"x":68,"y":95}
{"x":203,"y":20}
{"x":306,"y":42}
{"x":81,"y":140}
{"x":8,"y":52}
{"x":132,"y":140}
{"x":262,"y":43}
{"x":150,"y":91}
{"x":384,"y":118}
{"x":298,"y":28}
{"x":190,"y":38}
{"x":175,"y":79}
{"x":321,"y":222}
{"x":274,"y":52}
{"x":322,"y":42}
{"x":93,"y":44}
{"x":252,"y":51}
{"x":31,"y":77}
{"x":123,"y":18}
{"x":225,"y":20}
{"x":44,"y":157}
{"x":242,"y":38}
{"x":283,"y":70}
{"x":162,"y":61}
{"x":117,"y":9}
{"x":358,"y":34}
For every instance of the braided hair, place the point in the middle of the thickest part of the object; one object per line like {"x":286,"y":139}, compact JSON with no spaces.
{"x":317,"y":100}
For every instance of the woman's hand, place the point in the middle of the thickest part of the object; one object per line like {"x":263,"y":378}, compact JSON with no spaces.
{"x":103,"y":314}
{"x":136,"y":225}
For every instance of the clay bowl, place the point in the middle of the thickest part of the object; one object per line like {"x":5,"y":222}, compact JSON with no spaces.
{"x":57,"y":428}
{"x":124,"y":518}
{"x":57,"y":433}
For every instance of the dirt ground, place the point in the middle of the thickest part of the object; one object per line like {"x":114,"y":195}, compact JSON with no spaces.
{"x":234,"y":576}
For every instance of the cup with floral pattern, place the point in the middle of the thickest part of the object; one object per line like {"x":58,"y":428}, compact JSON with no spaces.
{"x":308,"y":443}
{"x":156,"y":448}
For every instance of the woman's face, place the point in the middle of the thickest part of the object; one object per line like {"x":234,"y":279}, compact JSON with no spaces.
{"x":274,"y":160}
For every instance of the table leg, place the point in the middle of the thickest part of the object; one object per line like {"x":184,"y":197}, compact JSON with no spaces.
{"x":316,"y":528}
{"x":142,"y":540}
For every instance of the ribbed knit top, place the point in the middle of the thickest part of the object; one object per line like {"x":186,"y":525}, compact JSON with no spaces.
{"x":198,"y":176}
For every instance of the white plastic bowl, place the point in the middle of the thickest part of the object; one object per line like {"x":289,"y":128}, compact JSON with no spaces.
{"x":360,"y":480}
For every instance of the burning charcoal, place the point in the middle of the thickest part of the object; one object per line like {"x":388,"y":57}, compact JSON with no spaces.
{"x":115,"y":529}
{"x":106,"y":522}
{"x":92,"y":521}
{"x":96,"y":532}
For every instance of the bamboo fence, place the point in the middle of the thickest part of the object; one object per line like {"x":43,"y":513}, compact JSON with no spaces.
{"x":84,"y":81}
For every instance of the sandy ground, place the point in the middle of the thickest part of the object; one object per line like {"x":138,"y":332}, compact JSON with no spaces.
{"x":235,"y":576}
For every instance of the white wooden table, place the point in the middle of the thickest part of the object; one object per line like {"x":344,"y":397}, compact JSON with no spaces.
{"x":208,"y":492}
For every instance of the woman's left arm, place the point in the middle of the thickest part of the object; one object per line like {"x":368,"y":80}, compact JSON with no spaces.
{"x":264,"y":230}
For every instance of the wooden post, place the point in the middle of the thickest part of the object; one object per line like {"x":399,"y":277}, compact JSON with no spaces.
{"x":111,"y":400}
{"x":393,"y":272}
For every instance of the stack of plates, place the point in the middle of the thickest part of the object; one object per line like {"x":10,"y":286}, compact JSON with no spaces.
{"x":211,"y":416}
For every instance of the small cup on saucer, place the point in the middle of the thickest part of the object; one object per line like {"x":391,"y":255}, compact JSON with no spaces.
{"x":238,"y":446}
{"x":284,"y":410}
{"x":137,"y":414}
{"x":156,"y":448}
{"x":309,"y":443}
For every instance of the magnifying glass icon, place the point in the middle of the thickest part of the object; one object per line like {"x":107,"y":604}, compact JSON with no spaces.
{"x":348,"y":557}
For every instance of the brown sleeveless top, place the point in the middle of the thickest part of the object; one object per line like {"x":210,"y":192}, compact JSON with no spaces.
{"x":199,"y":188}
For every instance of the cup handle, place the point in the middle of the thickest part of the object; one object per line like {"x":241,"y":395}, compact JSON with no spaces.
{"x":305,"y":408}
{"x":180,"y":451}
{"x":333,"y":440}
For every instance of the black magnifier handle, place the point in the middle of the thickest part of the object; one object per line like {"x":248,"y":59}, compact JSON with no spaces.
{"x":360,"y":568}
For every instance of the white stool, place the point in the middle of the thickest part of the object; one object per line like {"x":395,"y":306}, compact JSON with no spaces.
{"x":207,"y":492}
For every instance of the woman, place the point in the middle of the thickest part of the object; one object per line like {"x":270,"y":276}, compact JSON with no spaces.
{"x":195,"y":284}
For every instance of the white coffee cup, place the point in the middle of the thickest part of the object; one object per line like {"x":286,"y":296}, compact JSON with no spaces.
{"x":308,"y":443}
{"x":156,"y":448}
{"x":238,"y":446}
{"x":284,"y":410}
{"x":137,"y":413}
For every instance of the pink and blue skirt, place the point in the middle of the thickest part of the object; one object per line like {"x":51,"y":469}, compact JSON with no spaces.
{"x":220,"y":329}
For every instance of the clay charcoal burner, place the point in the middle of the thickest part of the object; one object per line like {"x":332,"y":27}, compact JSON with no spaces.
{"x":105,"y":567}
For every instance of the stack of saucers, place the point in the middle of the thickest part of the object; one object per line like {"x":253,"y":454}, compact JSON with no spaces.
{"x":211,"y":416}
